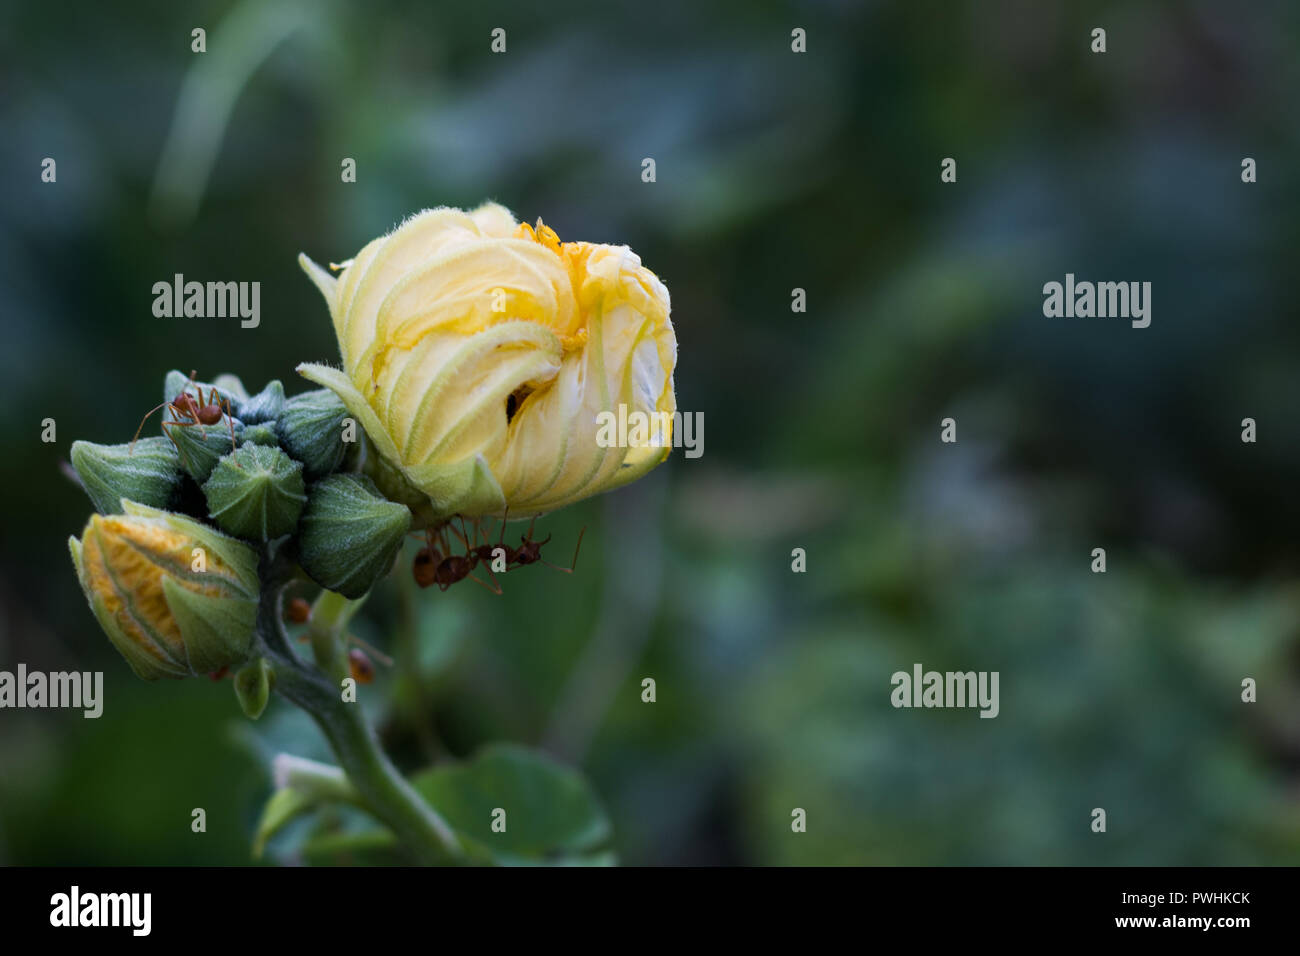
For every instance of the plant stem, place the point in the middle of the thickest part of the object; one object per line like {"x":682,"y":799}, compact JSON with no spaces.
{"x":384,"y":791}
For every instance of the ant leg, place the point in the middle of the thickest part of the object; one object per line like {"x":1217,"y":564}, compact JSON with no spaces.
{"x":214,"y":398}
{"x":176,"y":424}
{"x":142,"y":421}
{"x":230,"y":421}
{"x":572,"y":567}
{"x":496,"y":585}
{"x":490,"y":587}
{"x":461,"y":536}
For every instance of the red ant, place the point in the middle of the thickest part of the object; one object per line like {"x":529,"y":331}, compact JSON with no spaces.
{"x":431,"y":567}
{"x":530,"y":551}
{"x":190,"y":412}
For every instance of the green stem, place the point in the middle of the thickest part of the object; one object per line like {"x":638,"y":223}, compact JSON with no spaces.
{"x":329,"y":620}
{"x":384,"y":791}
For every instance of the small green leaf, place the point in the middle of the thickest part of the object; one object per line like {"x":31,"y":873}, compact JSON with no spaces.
{"x":253,"y":686}
{"x":284,"y":806}
{"x":551,"y":814}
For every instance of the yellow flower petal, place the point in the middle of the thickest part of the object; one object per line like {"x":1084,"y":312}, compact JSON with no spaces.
{"x":479,"y":353}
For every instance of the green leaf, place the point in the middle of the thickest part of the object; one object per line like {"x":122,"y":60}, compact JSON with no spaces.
{"x":284,"y":806}
{"x":302,"y":786}
{"x":551,"y":814}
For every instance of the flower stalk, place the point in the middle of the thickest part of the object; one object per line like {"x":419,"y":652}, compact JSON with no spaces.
{"x":382,"y":789}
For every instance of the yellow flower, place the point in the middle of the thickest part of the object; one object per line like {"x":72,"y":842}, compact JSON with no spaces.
{"x":175,"y":597}
{"x":478,"y":354}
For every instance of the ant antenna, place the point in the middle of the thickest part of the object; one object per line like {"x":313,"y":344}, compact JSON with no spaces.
{"x":572,"y":567}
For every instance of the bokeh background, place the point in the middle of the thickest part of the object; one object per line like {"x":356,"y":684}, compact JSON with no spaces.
{"x":775,"y":170}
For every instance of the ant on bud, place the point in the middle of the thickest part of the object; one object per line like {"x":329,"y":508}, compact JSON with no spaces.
{"x":189,"y":412}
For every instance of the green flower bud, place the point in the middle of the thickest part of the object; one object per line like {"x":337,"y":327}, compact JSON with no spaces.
{"x":202,"y":446}
{"x":253,"y":687}
{"x":265,"y":406}
{"x":176,"y":597}
{"x":394,"y":486}
{"x":256,"y":492}
{"x":231,"y":385}
{"x":260,"y":435}
{"x":350,"y":534}
{"x":311,"y":430}
{"x":148,"y":473}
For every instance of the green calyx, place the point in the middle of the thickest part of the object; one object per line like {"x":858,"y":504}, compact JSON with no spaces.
{"x":200,"y":447}
{"x":350,"y":534}
{"x":147,"y":472}
{"x":263,"y":407}
{"x":256,"y":492}
{"x":259,"y":435}
{"x":311,"y":429}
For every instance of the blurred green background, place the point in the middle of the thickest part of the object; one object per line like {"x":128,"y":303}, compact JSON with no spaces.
{"x":775,"y":170}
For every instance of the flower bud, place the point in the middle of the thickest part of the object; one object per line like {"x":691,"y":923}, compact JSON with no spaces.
{"x":311,"y":430}
{"x":148,"y":473}
{"x":263,"y":434}
{"x":253,"y":687}
{"x":256,"y":492}
{"x":202,"y":446}
{"x":175,"y":597}
{"x":349,"y":534}
{"x":231,"y":386}
{"x":265,"y":406}
{"x":480,"y":353}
